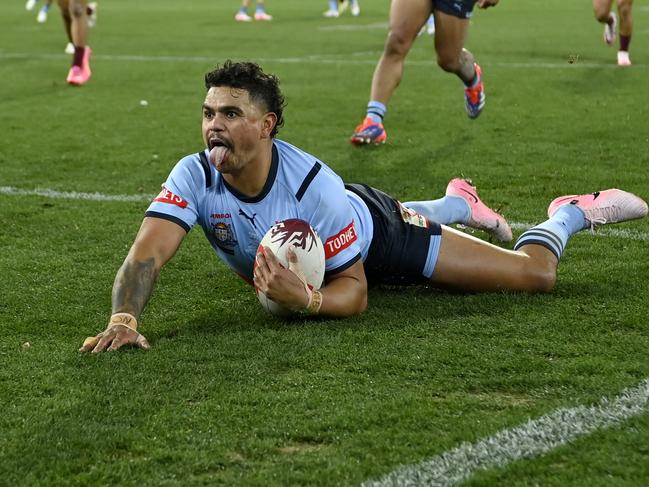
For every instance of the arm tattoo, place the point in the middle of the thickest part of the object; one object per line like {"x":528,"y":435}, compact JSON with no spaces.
{"x":133,"y":286}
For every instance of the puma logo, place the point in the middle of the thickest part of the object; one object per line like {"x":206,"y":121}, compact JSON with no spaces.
{"x":251,"y":219}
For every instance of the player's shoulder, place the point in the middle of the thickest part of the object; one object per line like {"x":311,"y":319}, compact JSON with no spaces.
{"x":195,"y":169}
{"x":303,"y":172}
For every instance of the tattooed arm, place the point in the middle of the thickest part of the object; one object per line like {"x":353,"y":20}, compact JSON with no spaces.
{"x":156,"y":242}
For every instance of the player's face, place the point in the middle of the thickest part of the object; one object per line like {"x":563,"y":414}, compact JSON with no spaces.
{"x":234,"y":128}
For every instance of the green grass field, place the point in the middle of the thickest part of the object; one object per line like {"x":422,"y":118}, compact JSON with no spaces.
{"x":229,"y":396}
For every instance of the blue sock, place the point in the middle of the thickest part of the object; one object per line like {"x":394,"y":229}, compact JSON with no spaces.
{"x":45,"y":8}
{"x":553,"y":234}
{"x":376,"y":111}
{"x":260,"y":8}
{"x":445,"y":211}
{"x":243,"y":10}
{"x":333,"y":5}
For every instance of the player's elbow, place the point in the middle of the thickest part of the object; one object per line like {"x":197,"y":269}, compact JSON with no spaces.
{"x":362,"y":304}
{"x":354,"y":303}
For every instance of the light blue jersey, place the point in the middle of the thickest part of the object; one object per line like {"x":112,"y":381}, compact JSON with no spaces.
{"x":298,"y":186}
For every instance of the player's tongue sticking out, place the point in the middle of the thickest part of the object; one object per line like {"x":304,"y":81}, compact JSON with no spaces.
{"x":218,"y":154}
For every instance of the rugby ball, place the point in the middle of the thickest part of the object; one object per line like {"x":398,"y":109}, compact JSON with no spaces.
{"x":308,"y":248}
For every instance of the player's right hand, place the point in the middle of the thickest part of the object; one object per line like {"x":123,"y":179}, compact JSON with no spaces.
{"x":116,"y":335}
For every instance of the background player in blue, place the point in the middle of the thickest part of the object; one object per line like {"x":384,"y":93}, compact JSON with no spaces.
{"x":407,"y":17}
{"x":249,"y":179}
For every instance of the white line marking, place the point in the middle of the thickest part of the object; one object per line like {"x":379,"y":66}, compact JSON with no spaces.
{"x":529,"y":440}
{"x":315,"y":59}
{"x":74,"y":195}
{"x":353,"y":27}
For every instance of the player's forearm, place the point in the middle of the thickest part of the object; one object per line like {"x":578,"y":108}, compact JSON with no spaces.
{"x":134,"y":285}
{"x":343,"y":297}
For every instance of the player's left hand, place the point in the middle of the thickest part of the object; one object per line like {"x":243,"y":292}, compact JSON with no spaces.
{"x":282,"y":285}
{"x":114,"y":337}
{"x":487,"y":3}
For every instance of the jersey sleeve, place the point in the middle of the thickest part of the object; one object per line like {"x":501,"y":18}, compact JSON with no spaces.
{"x":333,"y":219}
{"x":180,"y":195}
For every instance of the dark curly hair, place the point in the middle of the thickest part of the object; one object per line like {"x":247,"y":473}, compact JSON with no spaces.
{"x":262,"y":87}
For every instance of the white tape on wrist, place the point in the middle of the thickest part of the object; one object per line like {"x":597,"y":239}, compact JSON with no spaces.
{"x":126,"y":319}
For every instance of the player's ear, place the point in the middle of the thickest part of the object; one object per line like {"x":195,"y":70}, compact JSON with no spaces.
{"x":268,"y":124}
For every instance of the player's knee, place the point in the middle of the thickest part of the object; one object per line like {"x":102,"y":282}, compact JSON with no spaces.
{"x":77,"y":9}
{"x":624,"y":8}
{"x":602,"y":15}
{"x":448,"y":62}
{"x":540,"y":277}
{"x":397,"y":44}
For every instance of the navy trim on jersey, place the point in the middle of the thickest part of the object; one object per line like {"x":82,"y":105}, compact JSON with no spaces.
{"x":307,"y":180}
{"x":345,"y":266}
{"x":272,"y":174}
{"x":171,"y":218}
{"x":225,"y":249}
{"x":206,"y":168}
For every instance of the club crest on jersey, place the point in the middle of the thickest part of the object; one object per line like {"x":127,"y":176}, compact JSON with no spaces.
{"x":224,"y":236}
{"x":411,"y":217}
{"x":339,"y":242}
{"x":294,"y":232}
{"x":167,"y":196}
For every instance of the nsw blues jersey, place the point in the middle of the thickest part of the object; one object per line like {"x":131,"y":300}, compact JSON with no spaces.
{"x":298,"y":186}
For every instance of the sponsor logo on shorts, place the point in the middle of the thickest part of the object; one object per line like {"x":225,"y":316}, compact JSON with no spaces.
{"x":339,"y":242}
{"x":411,"y":217}
{"x":167,"y":196}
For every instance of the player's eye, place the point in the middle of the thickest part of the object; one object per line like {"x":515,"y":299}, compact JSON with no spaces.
{"x":231,"y":114}
{"x":208,"y":114}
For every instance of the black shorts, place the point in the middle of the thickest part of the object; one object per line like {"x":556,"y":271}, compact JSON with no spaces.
{"x":457,"y":8}
{"x":401,"y":239}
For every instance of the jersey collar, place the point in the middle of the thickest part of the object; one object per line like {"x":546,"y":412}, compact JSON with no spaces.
{"x":270,"y":180}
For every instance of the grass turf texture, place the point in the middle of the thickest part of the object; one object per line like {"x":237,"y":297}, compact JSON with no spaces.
{"x":229,"y":396}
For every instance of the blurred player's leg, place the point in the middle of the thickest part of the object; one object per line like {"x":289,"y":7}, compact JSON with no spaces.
{"x":430,"y":25}
{"x":355,"y":8}
{"x":260,"y":12}
{"x":332,"y":12}
{"x":242,"y":14}
{"x":429,"y":28}
{"x":31,"y":4}
{"x":91,"y":11}
{"x":406,"y":19}
{"x":41,"y":18}
{"x":450,"y":34}
{"x":603,"y":14}
{"x":76,"y":21}
{"x":626,"y":29}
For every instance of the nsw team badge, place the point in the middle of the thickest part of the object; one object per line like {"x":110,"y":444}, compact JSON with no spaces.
{"x":223,"y":234}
